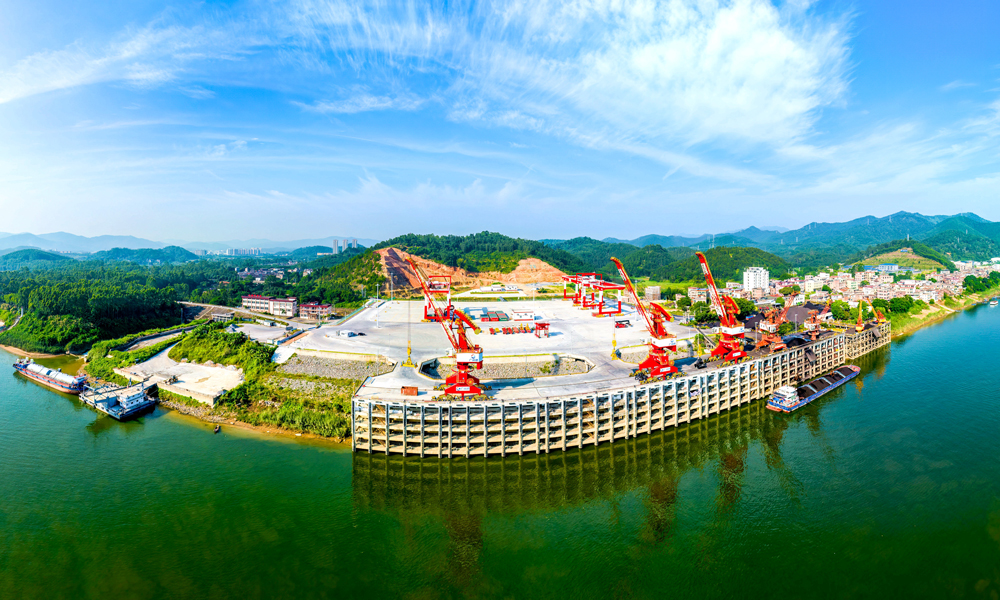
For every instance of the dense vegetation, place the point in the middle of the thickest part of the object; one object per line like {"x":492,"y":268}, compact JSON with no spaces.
{"x":726,"y":263}
{"x":66,"y":313}
{"x":481,"y":252}
{"x":981,"y":284}
{"x":170,"y":254}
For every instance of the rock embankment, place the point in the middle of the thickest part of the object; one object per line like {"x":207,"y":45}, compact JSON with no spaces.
{"x":333,"y":368}
{"x":517,"y":370}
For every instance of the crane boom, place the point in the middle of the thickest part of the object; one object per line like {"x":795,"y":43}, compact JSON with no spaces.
{"x":658,"y":363}
{"x":467,"y":355}
{"x":731,"y":331}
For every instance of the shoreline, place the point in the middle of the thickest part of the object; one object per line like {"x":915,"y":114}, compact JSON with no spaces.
{"x":202,"y":414}
{"x":18,"y":351}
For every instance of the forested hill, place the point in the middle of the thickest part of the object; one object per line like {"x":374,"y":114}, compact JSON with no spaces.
{"x":30,"y":258}
{"x":918,"y":248}
{"x":481,"y":252}
{"x":170,"y":254}
{"x":68,"y":309}
{"x":726,"y":263}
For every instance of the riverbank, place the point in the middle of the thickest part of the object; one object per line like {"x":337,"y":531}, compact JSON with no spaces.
{"x":938,"y":312}
{"x":25,"y":353}
{"x":205,"y":414}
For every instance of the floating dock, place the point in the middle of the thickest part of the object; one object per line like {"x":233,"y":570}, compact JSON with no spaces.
{"x":120,"y":402}
{"x":502,"y":428}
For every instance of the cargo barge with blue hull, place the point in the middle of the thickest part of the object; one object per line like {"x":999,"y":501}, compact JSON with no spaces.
{"x":788,"y":398}
{"x":52,"y":378}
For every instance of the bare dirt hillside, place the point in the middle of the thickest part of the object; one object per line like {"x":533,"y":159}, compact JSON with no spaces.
{"x":529,"y":270}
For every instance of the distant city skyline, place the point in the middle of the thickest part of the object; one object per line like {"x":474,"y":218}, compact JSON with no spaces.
{"x":538,"y":120}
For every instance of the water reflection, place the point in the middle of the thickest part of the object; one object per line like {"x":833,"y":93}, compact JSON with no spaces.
{"x":558,"y":480}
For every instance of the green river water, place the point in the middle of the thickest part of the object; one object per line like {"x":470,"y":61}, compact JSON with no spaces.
{"x":887,"y":488}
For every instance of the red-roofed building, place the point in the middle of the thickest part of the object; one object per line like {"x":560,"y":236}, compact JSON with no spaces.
{"x":315,"y":310}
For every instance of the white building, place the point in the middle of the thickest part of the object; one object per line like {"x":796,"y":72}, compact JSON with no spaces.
{"x":755,"y":278}
{"x":283,"y":307}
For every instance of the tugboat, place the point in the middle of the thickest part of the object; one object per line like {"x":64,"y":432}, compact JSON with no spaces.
{"x":53,"y":378}
{"x":787,"y":398}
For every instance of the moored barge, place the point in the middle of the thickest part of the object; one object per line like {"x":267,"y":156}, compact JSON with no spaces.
{"x":788,"y":398}
{"x":53,"y":378}
{"x":118,"y":402}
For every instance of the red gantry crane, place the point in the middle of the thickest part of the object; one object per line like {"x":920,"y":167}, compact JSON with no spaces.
{"x":661,"y":344}
{"x":769,"y":326}
{"x":813,"y":322}
{"x":731,"y":330}
{"x":467,"y":355}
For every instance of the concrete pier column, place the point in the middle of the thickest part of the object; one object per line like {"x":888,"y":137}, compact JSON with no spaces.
{"x":520,"y":429}
{"x":405,"y":419}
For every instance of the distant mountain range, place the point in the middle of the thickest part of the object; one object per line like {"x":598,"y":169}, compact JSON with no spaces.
{"x":965,"y":236}
{"x":68,"y":242}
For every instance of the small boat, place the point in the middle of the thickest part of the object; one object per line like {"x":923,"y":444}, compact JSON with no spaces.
{"x":994,"y":302}
{"x":787,"y":398}
{"x":53,"y":378}
{"x":218,"y":428}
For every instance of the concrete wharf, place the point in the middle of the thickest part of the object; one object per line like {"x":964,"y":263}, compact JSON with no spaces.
{"x":518,"y":426}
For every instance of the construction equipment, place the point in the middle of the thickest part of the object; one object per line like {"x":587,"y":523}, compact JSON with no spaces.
{"x":731,"y":331}
{"x":812,"y":323}
{"x":769,"y":325}
{"x":467,"y":355}
{"x":658,"y":363}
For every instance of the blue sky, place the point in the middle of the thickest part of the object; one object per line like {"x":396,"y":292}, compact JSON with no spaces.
{"x":533,"y":118}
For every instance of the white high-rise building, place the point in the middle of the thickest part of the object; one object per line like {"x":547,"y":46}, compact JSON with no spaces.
{"x":756,"y":278}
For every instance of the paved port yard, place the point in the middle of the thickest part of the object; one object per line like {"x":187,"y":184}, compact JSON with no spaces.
{"x":574,"y":332}
{"x":198,"y":381}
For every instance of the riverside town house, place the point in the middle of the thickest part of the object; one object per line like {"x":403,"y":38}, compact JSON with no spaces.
{"x":282,"y":307}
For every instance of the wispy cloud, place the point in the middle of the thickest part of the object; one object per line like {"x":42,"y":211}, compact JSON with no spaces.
{"x":363,"y":102}
{"x":197,"y":92}
{"x":955,"y":85}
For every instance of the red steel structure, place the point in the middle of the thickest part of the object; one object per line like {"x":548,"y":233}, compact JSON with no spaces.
{"x":661,"y":344}
{"x":731,"y":330}
{"x":468,"y":356}
{"x":812,"y":323}
{"x":769,"y":325}
{"x":437,"y":285}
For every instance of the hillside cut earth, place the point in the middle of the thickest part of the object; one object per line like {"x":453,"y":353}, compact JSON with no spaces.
{"x":529,"y":270}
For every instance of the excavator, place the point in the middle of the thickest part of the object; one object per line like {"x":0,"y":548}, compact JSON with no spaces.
{"x":658,"y":364}
{"x":468,"y":356}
